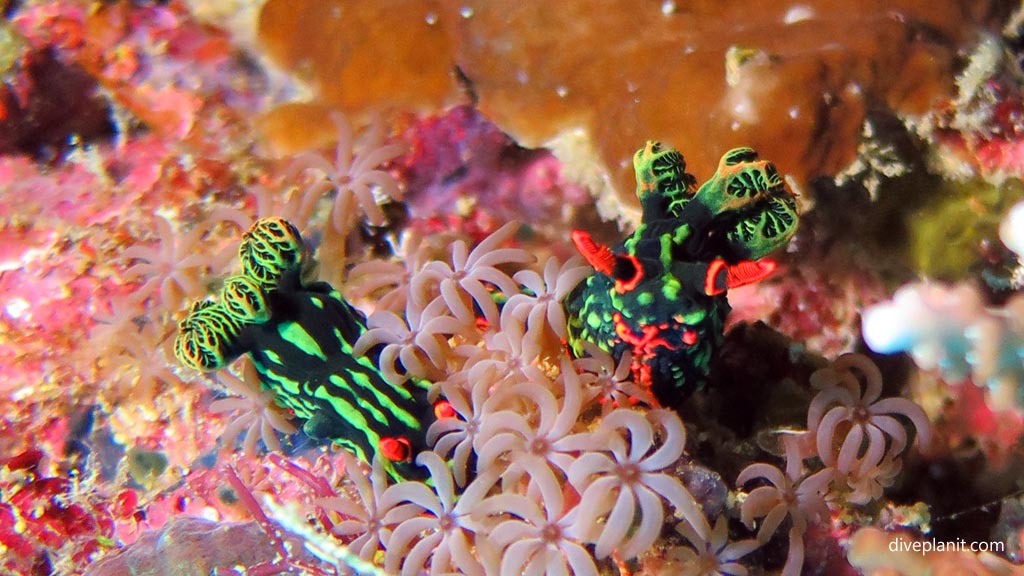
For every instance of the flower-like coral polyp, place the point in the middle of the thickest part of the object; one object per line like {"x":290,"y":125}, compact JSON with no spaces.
{"x":791,"y":494}
{"x":355,"y":174}
{"x":857,"y":433}
{"x":661,"y":293}
{"x":172,"y":268}
{"x":842,"y":401}
{"x":634,"y":471}
{"x":254,"y":411}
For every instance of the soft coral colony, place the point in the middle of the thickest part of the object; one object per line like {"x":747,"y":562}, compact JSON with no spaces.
{"x":510,"y":407}
{"x":543,"y":456}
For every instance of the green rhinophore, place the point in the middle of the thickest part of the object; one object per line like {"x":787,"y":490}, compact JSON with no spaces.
{"x":660,"y":294}
{"x":206,"y":336}
{"x":299,"y":336}
{"x":271,"y":247}
{"x":243,"y":298}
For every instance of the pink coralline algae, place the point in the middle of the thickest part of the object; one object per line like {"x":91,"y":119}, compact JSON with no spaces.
{"x":43,"y":511}
{"x":459,"y":157}
{"x":981,"y":130}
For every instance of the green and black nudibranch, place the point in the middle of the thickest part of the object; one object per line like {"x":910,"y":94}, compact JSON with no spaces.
{"x":300,"y":335}
{"x":659,"y":294}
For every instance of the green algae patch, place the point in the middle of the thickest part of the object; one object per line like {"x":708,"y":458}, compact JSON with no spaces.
{"x":947,"y":236}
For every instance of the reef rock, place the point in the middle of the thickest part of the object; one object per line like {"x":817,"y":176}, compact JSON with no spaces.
{"x":791,"y":79}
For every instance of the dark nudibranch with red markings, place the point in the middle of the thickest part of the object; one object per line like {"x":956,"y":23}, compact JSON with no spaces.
{"x":661,"y":293}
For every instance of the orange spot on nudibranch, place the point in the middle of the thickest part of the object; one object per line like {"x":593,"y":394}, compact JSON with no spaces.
{"x":396,"y":449}
{"x":443,"y":409}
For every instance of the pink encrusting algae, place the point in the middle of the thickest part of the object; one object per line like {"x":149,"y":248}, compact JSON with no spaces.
{"x":851,"y":402}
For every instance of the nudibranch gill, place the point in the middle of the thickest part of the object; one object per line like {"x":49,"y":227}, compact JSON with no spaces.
{"x":299,"y":335}
{"x":661,"y":292}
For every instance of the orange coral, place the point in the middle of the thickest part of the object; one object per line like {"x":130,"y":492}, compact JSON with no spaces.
{"x":791,"y":80}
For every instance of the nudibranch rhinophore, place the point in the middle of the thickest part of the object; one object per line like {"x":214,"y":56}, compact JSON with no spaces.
{"x":661,"y":293}
{"x":299,"y":335}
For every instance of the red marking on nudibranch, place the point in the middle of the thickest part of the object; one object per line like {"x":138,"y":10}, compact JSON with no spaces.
{"x":396,"y":449}
{"x":443,"y":409}
{"x":748,"y":272}
{"x":623,"y":286}
{"x":598,"y":256}
{"x":736,"y":275}
{"x":648,"y":339}
{"x":643,"y":345}
{"x":713,"y":281}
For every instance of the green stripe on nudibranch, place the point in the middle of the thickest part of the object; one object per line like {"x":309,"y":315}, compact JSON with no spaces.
{"x":345,"y":346}
{"x":382,"y":398}
{"x":273,"y":356}
{"x":376,"y":413}
{"x":297,"y":336}
{"x":356,"y":418}
{"x":287,"y":384}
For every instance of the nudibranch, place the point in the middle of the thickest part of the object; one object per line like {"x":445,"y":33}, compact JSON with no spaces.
{"x":299,"y":335}
{"x":661,"y":293}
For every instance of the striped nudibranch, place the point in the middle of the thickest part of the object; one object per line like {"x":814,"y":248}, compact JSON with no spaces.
{"x":299,"y":336}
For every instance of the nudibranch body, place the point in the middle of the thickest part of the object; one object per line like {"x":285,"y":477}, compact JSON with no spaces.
{"x":300,"y":335}
{"x":661,"y":293}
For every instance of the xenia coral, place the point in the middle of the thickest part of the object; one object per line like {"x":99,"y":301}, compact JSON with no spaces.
{"x":633,"y":469}
{"x":464,"y":283}
{"x":171,"y":270}
{"x":863,"y":427}
{"x":853,"y":435}
{"x":513,"y":418}
{"x":255,"y":411}
{"x":354,"y":174}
